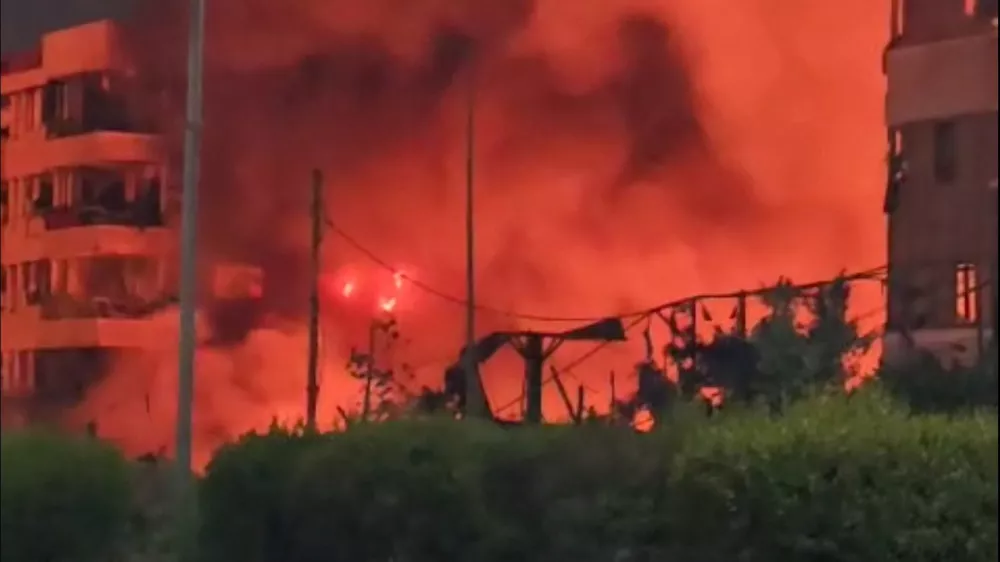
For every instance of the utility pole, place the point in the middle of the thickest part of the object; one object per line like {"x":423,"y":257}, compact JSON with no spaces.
{"x":183,"y":486}
{"x":534,"y":353}
{"x":312,"y":376}
{"x":473,"y":386}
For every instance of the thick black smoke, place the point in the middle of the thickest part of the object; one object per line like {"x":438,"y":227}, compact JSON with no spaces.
{"x":286,"y":92}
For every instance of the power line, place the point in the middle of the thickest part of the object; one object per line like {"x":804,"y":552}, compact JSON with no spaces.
{"x":872,"y":273}
{"x":567,"y":369}
{"x":443,"y":295}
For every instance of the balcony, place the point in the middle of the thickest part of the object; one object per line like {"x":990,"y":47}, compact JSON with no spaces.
{"x":22,"y":333}
{"x":64,"y":321}
{"x":104,"y":222}
{"x":941,"y":79}
{"x":81,"y":242}
{"x":31,"y":156}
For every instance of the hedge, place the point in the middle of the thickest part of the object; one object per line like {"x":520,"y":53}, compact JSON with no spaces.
{"x":62,"y":498}
{"x":831,"y":480}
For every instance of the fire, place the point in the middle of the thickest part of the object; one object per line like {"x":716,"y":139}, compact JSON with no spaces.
{"x":348,"y":289}
{"x":387,"y":304}
{"x":627,"y":153}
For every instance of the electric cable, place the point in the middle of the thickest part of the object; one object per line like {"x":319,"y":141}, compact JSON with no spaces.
{"x":567,"y":370}
{"x":870,"y":274}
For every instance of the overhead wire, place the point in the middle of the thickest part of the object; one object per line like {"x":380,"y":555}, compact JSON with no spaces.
{"x":871,"y":273}
{"x":638,"y":316}
{"x":567,"y":369}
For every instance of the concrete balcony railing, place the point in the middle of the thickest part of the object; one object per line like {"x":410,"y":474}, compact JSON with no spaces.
{"x":33,"y":241}
{"x":88,"y":325}
{"x":30,"y":156}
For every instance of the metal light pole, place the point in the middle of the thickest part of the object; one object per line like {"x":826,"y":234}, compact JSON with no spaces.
{"x":189,"y":243}
{"x":473,"y":388}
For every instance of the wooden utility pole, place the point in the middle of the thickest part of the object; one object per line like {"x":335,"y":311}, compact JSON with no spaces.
{"x":741,"y":316}
{"x":534,"y":355}
{"x":473,"y":385}
{"x":312,"y":375}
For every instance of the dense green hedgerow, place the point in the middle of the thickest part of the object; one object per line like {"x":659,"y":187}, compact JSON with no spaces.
{"x":839,"y":481}
{"x":244,"y":499}
{"x":62,"y":498}
{"x":833,"y":479}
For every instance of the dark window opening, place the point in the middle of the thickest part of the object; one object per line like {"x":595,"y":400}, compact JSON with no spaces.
{"x":945,"y":152}
{"x":62,"y":377}
{"x":4,"y":203}
{"x":43,"y":278}
{"x":84,"y":103}
{"x":147,"y":204}
{"x":100,"y":197}
{"x":53,"y":102}
{"x":986,"y":9}
{"x":45,"y":200}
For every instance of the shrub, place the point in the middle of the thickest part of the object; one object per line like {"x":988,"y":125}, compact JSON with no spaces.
{"x":393,"y":491}
{"x":928,"y":387}
{"x":834,"y":481}
{"x":242,"y":499}
{"x":62,"y":498}
{"x":586,"y":494}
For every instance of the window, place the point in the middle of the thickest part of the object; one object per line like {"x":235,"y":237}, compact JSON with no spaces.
{"x":4,"y":203}
{"x":43,"y":278}
{"x":986,"y":9}
{"x":945,"y":153}
{"x":966,"y":293}
{"x":46,"y":194}
{"x":53,"y":101}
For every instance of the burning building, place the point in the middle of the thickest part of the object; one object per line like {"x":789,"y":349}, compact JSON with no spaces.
{"x":941,"y":113}
{"x":88,"y":249}
{"x":84,"y":242}
{"x":627,"y":152}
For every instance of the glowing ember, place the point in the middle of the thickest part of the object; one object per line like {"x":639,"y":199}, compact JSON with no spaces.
{"x":387,"y":304}
{"x":348,"y":289}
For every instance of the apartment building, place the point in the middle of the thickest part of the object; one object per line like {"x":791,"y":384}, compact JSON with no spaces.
{"x":941,"y":199}
{"x":84,"y":241}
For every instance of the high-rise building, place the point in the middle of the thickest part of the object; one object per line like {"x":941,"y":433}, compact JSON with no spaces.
{"x":941,"y":200}
{"x":85,"y":247}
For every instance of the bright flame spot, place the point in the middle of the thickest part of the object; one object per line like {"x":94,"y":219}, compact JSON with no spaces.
{"x":397,"y":279}
{"x":388,"y":305}
{"x":348,"y":289}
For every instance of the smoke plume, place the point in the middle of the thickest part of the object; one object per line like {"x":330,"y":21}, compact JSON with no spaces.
{"x":626,"y":153}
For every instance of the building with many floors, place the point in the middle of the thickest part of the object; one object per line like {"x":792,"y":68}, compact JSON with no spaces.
{"x":87,"y":240}
{"x":941,"y":200}
{"x":85,"y":205}
{"x":84,"y":238}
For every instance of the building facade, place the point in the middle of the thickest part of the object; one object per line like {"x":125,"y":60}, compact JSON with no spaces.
{"x":941,"y":200}
{"x":84,"y":239}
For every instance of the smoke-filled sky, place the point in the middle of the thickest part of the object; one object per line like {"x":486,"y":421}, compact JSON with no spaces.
{"x":624,"y":153}
{"x":628,"y":152}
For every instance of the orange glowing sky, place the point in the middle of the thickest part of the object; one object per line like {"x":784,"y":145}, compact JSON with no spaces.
{"x":769,"y":150}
